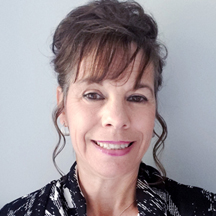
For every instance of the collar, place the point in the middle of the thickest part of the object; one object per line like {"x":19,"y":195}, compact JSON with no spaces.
{"x":149,"y":194}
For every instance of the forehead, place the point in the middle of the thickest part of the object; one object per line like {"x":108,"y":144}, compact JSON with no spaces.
{"x":120,"y":67}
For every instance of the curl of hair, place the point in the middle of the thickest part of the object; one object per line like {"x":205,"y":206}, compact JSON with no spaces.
{"x":105,"y":29}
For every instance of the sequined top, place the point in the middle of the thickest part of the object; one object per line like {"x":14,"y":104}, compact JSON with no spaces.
{"x":64,"y":198}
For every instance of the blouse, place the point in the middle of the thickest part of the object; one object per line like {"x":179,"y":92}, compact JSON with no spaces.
{"x":63,"y":197}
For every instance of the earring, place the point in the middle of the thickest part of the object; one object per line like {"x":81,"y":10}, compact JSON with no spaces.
{"x":64,"y":129}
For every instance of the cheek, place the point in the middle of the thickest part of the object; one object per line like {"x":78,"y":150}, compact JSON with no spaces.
{"x":144,"y":120}
{"x":76,"y":118}
{"x":80,"y":119}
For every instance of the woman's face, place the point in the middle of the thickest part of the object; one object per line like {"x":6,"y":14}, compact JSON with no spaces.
{"x":111,"y":123}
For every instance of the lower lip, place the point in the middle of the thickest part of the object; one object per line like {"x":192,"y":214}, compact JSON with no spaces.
{"x":114,"y":152}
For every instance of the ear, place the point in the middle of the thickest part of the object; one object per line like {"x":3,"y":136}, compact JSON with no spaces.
{"x":60,"y":99}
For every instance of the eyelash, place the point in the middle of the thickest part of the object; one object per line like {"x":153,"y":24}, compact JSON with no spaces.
{"x":137,"y":99}
{"x":93,"y":96}
{"x":133,"y":98}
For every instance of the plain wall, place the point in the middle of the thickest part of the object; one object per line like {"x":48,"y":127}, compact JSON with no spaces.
{"x":28,"y":86}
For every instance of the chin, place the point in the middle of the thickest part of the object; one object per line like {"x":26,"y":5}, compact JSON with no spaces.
{"x":115,"y":168}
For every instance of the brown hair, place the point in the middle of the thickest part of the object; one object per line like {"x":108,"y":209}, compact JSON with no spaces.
{"x":104,"y":29}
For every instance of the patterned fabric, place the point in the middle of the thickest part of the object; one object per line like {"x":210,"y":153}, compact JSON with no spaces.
{"x":64,"y":198}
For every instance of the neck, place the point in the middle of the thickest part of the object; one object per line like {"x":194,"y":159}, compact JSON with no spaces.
{"x":109,"y":196}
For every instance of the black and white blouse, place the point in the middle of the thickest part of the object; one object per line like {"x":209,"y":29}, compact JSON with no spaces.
{"x":64,"y":198}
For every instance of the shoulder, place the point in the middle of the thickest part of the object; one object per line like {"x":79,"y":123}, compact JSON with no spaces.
{"x":189,"y":197}
{"x":178,"y":199}
{"x":36,"y":202}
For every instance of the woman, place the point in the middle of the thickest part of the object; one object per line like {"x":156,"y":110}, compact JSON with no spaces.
{"x":109,"y":65}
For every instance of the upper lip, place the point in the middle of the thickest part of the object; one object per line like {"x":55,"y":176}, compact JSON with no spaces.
{"x":113,"y":142}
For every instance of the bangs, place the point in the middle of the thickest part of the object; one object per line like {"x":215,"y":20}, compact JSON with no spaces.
{"x":108,"y":57}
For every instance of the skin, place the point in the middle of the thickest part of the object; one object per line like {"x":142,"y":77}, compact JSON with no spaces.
{"x":110,"y":111}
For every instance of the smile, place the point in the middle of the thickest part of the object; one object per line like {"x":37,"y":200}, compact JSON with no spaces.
{"x":113,"y":145}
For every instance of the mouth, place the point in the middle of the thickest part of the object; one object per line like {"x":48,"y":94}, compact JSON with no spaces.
{"x":113,"y":145}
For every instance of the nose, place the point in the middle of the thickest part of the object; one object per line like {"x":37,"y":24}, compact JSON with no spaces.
{"x":115,"y":114}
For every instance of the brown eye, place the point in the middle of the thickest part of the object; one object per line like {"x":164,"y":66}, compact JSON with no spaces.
{"x":137,"y":98}
{"x":93,"y":96}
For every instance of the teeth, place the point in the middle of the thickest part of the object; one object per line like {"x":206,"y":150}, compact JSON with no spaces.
{"x":112,"y":146}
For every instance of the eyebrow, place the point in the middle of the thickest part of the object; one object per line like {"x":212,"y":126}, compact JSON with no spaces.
{"x":88,"y":80}
{"x":136,"y":86}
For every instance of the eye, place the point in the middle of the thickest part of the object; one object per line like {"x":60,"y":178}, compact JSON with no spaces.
{"x":137,"y":99}
{"x":93,"y":96}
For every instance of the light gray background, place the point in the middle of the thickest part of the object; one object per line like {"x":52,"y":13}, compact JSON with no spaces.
{"x":27,"y":92}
